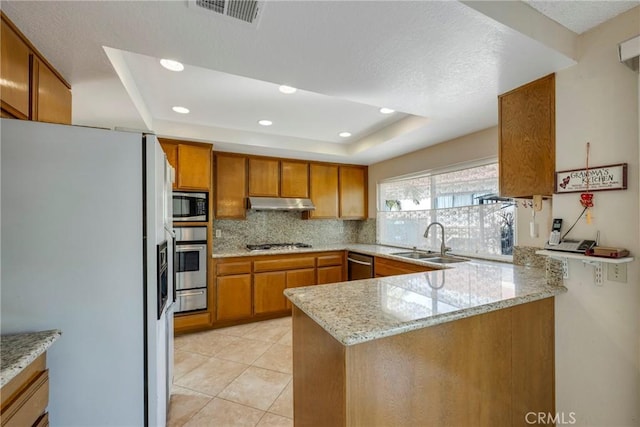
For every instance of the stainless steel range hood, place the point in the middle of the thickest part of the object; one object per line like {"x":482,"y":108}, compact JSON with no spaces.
{"x":280,"y":204}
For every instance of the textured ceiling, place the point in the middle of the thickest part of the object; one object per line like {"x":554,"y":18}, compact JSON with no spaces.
{"x":581,"y":15}
{"x":441,"y":64}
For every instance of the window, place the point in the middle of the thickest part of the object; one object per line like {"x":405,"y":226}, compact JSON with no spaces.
{"x":465,"y":201}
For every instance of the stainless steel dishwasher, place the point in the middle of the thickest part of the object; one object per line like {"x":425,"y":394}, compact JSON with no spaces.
{"x":360,"y":266}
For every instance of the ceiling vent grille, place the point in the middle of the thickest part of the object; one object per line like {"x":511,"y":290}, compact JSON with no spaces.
{"x":244,"y":10}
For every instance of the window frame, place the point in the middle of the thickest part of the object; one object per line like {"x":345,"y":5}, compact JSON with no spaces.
{"x":437,"y":171}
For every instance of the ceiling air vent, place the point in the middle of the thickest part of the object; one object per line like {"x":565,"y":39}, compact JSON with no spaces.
{"x":244,"y":10}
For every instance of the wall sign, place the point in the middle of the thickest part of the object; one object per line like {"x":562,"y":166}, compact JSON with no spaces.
{"x":601,"y":178}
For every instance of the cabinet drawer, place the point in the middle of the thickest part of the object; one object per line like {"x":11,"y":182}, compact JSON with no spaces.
{"x":284,"y":264}
{"x":234,"y":267}
{"x":30,"y":404}
{"x":330,"y":259}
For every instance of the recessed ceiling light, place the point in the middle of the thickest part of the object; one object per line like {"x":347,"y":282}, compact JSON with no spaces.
{"x":181,"y":110}
{"x":344,"y":134}
{"x":287,"y":89}
{"x":385,"y":110}
{"x":172,"y":65}
{"x":265,"y":122}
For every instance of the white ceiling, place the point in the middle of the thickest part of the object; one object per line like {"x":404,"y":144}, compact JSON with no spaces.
{"x":589,"y":15}
{"x":440,"y":64}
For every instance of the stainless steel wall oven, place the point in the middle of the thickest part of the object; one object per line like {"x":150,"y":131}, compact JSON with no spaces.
{"x":191,"y":269}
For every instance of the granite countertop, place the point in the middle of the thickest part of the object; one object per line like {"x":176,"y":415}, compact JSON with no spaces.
{"x":17,"y":351}
{"x":239,"y":252}
{"x":364,"y":310}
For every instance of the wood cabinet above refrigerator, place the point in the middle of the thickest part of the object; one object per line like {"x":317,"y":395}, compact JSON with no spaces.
{"x":30,"y":88}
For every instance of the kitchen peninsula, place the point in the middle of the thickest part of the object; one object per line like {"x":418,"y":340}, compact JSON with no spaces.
{"x":469,"y":345}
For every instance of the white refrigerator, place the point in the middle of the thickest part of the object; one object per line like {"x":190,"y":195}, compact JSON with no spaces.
{"x":85,"y":214}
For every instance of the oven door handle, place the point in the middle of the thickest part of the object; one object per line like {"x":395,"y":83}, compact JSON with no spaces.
{"x":185,"y":248}
{"x":190,"y":294}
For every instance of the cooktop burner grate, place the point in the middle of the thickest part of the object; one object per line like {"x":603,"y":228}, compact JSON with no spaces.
{"x":271,"y":246}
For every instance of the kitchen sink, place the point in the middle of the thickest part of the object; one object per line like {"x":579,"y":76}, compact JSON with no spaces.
{"x":416,"y":255}
{"x":431,"y":257}
{"x":447,"y":259}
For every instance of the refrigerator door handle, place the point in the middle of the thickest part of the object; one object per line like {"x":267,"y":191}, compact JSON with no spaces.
{"x":175,"y":259}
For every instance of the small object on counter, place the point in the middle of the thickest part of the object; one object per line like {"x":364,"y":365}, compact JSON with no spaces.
{"x":607,"y":252}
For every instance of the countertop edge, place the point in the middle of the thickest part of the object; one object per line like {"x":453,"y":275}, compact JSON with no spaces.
{"x":353,"y":339}
{"x":39,"y":343}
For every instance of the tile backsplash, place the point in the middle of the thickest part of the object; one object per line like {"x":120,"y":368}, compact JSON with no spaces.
{"x":273,"y":227}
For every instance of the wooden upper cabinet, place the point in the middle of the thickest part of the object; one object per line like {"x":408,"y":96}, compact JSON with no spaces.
{"x":527,"y":139}
{"x":52,"y":99}
{"x":14,"y":69}
{"x":194,"y":167}
{"x":192,"y":164}
{"x":231,"y":186}
{"x":294,"y":179}
{"x":324,"y":190}
{"x":353,"y":192}
{"x":30,"y":88}
{"x":264,"y":177}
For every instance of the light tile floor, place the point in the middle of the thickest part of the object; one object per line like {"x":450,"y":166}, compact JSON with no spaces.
{"x":236,"y":376}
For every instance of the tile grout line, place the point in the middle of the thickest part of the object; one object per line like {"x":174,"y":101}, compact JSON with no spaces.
{"x":271,"y":343}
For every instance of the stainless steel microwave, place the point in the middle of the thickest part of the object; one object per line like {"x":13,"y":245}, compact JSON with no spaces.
{"x":190,"y":206}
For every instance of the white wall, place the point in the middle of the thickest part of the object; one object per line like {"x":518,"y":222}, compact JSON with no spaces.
{"x":598,"y":328}
{"x":475,"y":146}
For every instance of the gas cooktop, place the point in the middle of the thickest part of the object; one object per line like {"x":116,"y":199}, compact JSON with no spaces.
{"x":272,"y":246}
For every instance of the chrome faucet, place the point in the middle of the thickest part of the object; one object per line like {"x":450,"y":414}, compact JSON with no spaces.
{"x":443,"y":247}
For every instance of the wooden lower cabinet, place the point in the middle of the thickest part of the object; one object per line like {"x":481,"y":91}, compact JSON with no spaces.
{"x":252,"y":288}
{"x":233,"y":297}
{"x":188,"y":322}
{"x":330,"y":268}
{"x":26,"y":396}
{"x":267,"y":292}
{"x":298,"y":278}
{"x":331,"y":274}
{"x":429,"y":376}
{"x":384,"y":267}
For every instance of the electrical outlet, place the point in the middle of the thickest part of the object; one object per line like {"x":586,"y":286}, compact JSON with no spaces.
{"x":218,"y":233}
{"x":617,"y":273}
{"x":565,"y":268}
{"x":597,"y":273}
